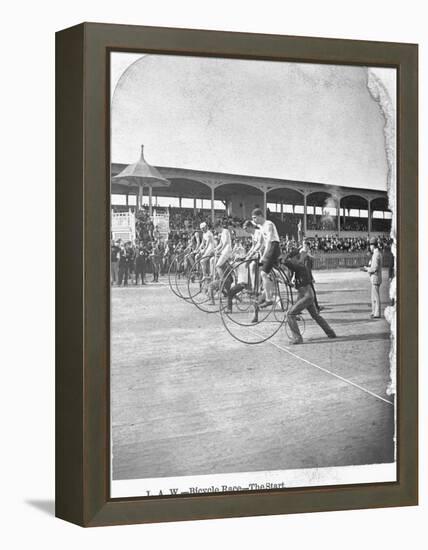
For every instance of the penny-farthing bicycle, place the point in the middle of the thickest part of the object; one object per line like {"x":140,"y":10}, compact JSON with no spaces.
{"x":243,"y":313}
{"x":173,"y":266}
{"x":177,"y":275}
{"x":205,"y":285}
{"x":183,"y":274}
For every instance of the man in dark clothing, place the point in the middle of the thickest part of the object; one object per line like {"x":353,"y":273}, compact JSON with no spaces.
{"x":131,"y":258}
{"x":303,"y":284}
{"x":140,"y":264}
{"x":125,"y":258}
{"x":391,"y":274}
{"x":155,"y":256}
{"x":161,"y":247}
{"x":308,"y":260}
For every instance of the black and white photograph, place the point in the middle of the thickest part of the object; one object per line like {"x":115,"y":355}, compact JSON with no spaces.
{"x":253,"y":249}
{"x":221,"y":344}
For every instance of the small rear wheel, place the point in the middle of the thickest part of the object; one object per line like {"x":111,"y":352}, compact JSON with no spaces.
{"x":203,"y":286}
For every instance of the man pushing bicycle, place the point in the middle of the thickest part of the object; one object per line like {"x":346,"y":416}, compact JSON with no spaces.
{"x":306,"y":298}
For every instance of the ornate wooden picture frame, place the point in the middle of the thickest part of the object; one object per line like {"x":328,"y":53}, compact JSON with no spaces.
{"x":83,"y":208}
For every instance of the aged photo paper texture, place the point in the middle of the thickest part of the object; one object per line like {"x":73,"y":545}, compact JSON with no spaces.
{"x":253,"y":253}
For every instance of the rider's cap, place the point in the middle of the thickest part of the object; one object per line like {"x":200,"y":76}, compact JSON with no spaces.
{"x":203,"y":225}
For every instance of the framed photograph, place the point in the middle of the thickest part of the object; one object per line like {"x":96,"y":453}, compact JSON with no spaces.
{"x":236,"y":274}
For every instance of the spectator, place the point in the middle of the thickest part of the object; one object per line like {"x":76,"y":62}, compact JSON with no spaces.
{"x":114,"y":261}
{"x":140,"y":265}
{"x":125,"y":259}
{"x":155,"y":255}
{"x":374,"y":269}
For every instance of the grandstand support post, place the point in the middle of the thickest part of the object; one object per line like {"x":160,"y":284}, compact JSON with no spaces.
{"x":150,"y":200}
{"x":179,"y":202}
{"x":140,"y":197}
{"x":338,"y":216}
{"x":127,"y":200}
{"x":369,"y":216}
{"x":212,"y":205}
{"x":282,"y":211}
{"x":264,"y":202}
{"x":305,"y":214}
{"x":194,"y":207}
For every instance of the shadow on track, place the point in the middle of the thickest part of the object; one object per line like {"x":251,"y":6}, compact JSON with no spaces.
{"x":371,"y":337}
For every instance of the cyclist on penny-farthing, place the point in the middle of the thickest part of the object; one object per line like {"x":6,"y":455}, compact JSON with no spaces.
{"x":252,"y":256}
{"x":257,"y":247}
{"x":270,"y":255}
{"x":205,"y":251}
{"x":190,"y":251}
{"x":222,"y":255}
{"x":223,"y":251}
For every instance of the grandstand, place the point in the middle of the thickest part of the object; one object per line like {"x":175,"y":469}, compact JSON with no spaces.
{"x":300,"y":209}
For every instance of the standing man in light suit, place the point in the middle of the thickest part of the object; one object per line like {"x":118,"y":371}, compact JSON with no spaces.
{"x":374,"y":269}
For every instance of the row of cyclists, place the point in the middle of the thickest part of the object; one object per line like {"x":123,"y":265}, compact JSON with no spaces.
{"x":215,"y":257}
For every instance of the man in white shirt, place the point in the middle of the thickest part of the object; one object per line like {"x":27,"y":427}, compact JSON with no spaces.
{"x":256,"y":247}
{"x":222,"y":253}
{"x":245,"y":263}
{"x":270,"y":254}
{"x":206,"y":249}
{"x":224,"y":249}
{"x":256,"y":239}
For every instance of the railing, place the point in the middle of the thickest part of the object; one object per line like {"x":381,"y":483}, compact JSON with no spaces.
{"x":123,"y":225}
{"x":336,"y":260}
{"x":312,"y":233}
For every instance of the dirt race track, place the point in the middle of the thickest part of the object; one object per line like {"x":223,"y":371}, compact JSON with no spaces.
{"x":188,"y":399}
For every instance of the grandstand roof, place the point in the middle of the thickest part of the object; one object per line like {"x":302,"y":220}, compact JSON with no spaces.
{"x":198,"y":184}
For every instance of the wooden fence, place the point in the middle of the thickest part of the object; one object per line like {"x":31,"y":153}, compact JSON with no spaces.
{"x":336,"y":260}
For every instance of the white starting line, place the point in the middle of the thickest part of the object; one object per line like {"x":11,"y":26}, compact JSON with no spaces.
{"x":365,"y":390}
{"x":323,"y":369}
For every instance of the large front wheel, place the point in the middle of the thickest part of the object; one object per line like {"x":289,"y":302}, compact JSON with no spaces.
{"x":174,"y":266}
{"x":242,"y":309}
{"x":187,"y":261}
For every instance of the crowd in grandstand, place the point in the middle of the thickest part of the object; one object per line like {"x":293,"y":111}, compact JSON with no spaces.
{"x":182,"y":221}
{"x":346,"y":244}
{"x":354,"y":225}
{"x":289,"y":224}
{"x":320,"y":223}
